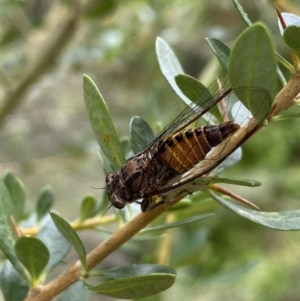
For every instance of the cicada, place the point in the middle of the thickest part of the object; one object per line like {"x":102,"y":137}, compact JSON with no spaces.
{"x":172,"y":154}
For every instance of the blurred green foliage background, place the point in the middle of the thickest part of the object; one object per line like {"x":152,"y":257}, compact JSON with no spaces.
{"x":46,"y":137}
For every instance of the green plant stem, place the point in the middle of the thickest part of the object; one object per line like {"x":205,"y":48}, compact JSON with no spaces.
{"x":98,"y":254}
{"x":285,"y":63}
{"x":90,"y":223}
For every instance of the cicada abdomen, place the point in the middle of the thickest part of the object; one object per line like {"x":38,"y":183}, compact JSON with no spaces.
{"x":183,"y":150}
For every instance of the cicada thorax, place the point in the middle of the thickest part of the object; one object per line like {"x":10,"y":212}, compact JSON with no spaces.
{"x":183,"y":150}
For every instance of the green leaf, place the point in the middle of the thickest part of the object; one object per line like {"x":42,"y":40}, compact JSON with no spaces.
{"x":196,"y":92}
{"x":169,"y":66}
{"x":191,"y":87}
{"x":252,"y":66}
{"x":7,"y":238}
{"x":57,"y":245}
{"x":75,"y":292}
{"x":240,"y":10}
{"x":71,"y":236}
{"x":291,"y":37}
{"x":88,"y":206}
{"x":285,"y":220}
{"x":17,"y":194}
{"x":102,"y":124}
{"x":13,"y":286}
{"x":241,"y":182}
{"x":44,"y":202}
{"x":178,"y":223}
{"x":221,"y":51}
{"x":135,"y":281}
{"x":140,"y":133}
{"x":33,"y":254}
{"x":204,"y":182}
{"x":107,"y":167}
{"x":285,"y":116}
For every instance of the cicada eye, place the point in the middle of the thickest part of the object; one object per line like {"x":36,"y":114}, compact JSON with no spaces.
{"x":109,"y":178}
{"x":117,"y":202}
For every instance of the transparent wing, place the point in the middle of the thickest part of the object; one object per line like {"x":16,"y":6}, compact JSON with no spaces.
{"x":192,"y":113}
{"x":249,"y":118}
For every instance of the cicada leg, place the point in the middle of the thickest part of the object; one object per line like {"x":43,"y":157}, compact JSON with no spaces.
{"x":150,"y":203}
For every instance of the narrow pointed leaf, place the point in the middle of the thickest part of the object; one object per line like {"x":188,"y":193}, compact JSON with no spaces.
{"x":44,"y":202}
{"x":102,"y":124}
{"x":140,"y":133}
{"x":285,"y":220}
{"x":221,"y":51}
{"x":178,"y":223}
{"x":241,"y":182}
{"x":7,"y":238}
{"x":107,"y":167}
{"x":286,"y":116}
{"x":88,"y":206}
{"x":242,"y":13}
{"x":252,"y":64}
{"x":17,"y":194}
{"x":169,"y":66}
{"x":191,"y":87}
{"x":196,"y":92}
{"x":13,"y":286}
{"x":57,"y":245}
{"x":71,"y":236}
{"x":33,"y":254}
{"x":136,"y":281}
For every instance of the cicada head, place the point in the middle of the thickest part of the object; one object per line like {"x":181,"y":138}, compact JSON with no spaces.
{"x":118,"y":194}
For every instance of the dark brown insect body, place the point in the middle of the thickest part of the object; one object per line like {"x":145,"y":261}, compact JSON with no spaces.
{"x":142,"y":175}
{"x":165,"y":167}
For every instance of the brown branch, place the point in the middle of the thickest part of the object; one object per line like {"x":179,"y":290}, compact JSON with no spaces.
{"x":47,"y":54}
{"x":285,"y":98}
{"x":233,"y":195}
{"x":98,"y":254}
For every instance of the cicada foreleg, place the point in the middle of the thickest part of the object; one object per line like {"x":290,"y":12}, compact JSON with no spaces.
{"x":150,"y":203}
{"x":153,"y":202}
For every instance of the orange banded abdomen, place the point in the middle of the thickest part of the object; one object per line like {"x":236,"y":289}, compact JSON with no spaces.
{"x":184,"y":149}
